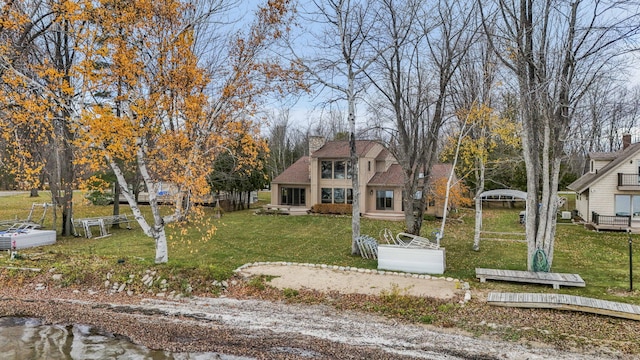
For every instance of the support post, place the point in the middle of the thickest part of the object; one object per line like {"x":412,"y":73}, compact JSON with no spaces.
{"x":630,"y":262}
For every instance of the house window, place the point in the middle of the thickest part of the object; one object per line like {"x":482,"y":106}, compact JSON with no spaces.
{"x":325,"y":196}
{"x":591,"y":166}
{"x":293,"y":196}
{"x":384,"y":200}
{"x":627,"y":205}
{"x":326,"y":169}
{"x":339,"y":170}
{"x":336,"y":196}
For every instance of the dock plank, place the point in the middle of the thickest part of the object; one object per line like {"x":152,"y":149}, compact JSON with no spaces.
{"x":554,"y":279}
{"x":565,"y":302}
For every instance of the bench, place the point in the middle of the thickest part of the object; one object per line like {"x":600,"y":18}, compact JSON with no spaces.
{"x":549,"y":278}
{"x":101,"y":222}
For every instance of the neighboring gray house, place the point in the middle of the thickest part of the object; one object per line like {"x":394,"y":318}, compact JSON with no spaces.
{"x":323,"y":177}
{"x":608,"y":195}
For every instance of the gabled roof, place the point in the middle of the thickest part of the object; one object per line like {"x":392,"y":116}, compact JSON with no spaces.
{"x":441,"y":171}
{"x":341,"y":149}
{"x":586,"y":180}
{"x":392,"y":177}
{"x":606,"y":156}
{"x":297,"y":173}
{"x":384,"y":154}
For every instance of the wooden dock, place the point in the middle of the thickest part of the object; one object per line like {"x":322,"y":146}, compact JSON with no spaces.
{"x":554,"y":279}
{"x":565,"y":302}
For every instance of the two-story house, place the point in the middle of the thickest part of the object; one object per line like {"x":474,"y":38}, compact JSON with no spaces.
{"x":608,"y":195}
{"x":323,"y":177}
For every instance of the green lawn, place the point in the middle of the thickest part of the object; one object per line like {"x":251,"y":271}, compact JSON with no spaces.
{"x":243,"y":237}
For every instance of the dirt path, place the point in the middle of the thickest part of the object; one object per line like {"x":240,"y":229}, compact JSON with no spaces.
{"x":357,"y":281}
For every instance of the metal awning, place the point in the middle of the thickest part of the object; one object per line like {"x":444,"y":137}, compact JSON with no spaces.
{"x":503,"y":194}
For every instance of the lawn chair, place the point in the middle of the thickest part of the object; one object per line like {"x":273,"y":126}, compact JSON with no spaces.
{"x":368,"y":247}
{"x":408,"y":240}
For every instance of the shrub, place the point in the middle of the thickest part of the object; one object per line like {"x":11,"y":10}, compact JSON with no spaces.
{"x":338,"y":209}
{"x":98,"y":197}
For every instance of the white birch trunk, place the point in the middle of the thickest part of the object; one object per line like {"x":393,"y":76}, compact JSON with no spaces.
{"x":157,"y":231}
{"x":355,"y":211}
{"x":478,"y":200}
{"x":531,"y":217}
{"x":445,"y":211}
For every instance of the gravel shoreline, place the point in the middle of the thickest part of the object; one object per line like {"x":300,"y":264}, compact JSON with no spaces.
{"x":262,"y":329}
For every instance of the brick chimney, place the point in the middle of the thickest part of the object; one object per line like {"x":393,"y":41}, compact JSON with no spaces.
{"x":315,"y":143}
{"x":626,"y":141}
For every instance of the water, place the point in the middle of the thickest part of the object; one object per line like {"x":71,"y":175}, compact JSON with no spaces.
{"x":27,"y":338}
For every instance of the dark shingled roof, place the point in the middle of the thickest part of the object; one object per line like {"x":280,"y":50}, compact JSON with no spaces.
{"x":441,"y":171}
{"x":384,"y":154}
{"x":618,"y":157}
{"x":607,"y":156}
{"x":340,"y":149}
{"x":298,"y":173}
{"x":393,"y":176}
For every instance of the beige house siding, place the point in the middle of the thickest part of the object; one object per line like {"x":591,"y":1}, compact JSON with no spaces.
{"x":599,"y":164}
{"x":598,"y":189}
{"x":277,"y":188}
{"x":602,"y":192}
{"x":377,"y":169}
{"x":582,"y":205}
{"x":600,"y":197}
{"x":316,"y":186}
{"x":371,"y":198}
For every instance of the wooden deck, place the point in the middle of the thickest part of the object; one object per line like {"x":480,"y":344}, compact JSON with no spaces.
{"x":565,"y":302}
{"x":554,"y":279}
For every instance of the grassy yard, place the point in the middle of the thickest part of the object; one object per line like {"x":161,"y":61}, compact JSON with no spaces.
{"x":243,"y":237}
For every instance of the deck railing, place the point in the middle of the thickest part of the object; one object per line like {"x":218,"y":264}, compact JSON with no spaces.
{"x":628,"y":179}
{"x":617,"y":220}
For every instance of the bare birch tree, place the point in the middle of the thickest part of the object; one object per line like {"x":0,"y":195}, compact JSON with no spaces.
{"x":555,"y":49}
{"x":340,"y":56}
{"x":422,"y":47}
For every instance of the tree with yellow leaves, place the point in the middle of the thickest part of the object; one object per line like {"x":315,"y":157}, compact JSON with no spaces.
{"x":481,"y":133}
{"x":164,"y":111}
{"x":37,"y":90}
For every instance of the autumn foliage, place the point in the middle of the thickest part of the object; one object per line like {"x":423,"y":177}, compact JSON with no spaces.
{"x":136,"y":96}
{"x":458,"y":193}
{"x":486,"y":138}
